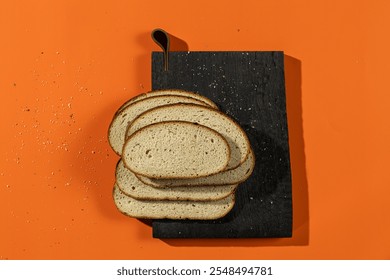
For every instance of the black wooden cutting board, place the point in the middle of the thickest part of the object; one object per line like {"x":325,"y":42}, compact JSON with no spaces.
{"x":249,"y":87}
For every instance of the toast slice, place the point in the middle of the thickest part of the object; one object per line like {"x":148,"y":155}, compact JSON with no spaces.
{"x":228,"y":177}
{"x":165,"y":209}
{"x":235,"y":136}
{"x":130,"y":185}
{"x":175,"y":92}
{"x":118,"y":126}
{"x":175,"y":150}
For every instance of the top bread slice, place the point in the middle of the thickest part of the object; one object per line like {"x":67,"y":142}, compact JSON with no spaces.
{"x":175,"y":149}
{"x":168,"y":209}
{"x":118,"y":126}
{"x":227,"y":177}
{"x":175,"y":92}
{"x":235,"y":136}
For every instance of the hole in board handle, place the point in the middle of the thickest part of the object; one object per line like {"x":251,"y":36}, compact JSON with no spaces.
{"x":161,"y":38}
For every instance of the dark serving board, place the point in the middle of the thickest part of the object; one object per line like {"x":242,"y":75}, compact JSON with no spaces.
{"x":249,"y":87}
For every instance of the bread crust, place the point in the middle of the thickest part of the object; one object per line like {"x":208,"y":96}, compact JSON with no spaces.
{"x":174,"y":92}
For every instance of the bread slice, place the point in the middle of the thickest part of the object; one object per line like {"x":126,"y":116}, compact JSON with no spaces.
{"x":165,"y":209}
{"x":175,"y":92}
{"x":130,"y":185}
{"x":212,"y":118}
{"x":228,"y":177}
{"x":175,"y":149}
{"x":118,"y":126}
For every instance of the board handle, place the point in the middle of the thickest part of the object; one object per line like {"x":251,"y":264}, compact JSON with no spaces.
{"x":161,"y":38}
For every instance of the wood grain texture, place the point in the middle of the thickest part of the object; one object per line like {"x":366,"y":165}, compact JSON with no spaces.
{"x":250,"y":88}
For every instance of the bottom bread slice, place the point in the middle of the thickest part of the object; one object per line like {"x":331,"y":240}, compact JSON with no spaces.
{"x":132,"y":186}
{"x":178,"y":210}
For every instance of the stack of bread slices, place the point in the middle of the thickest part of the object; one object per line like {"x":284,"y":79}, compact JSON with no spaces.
{"x":181,"y":158}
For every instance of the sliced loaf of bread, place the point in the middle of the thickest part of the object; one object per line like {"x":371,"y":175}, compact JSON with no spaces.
{"x":175,"y":92}
{"x":118,"y":126}
{"x":165,"y":209}
{"x":228,"y":177}
{"x":175,"y":150}
{"x":130,"y":185}
{"x":206,"y":116}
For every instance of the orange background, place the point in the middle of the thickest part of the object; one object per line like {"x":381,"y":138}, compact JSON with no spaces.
{"x":67,"y":65}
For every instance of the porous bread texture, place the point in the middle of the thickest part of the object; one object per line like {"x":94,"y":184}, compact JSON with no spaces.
{"x":234,"y":176}
{"x":175,"y":92}
{"x":166,"y":209}
{"x":235,"y":136}
{"x":130,"y":185}
{"x":175,"y":149}
{"x":206,"y":197}
{"x":118,"y":126}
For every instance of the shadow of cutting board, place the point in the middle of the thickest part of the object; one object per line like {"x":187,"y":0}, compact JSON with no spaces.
{"x":249,"y":87}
